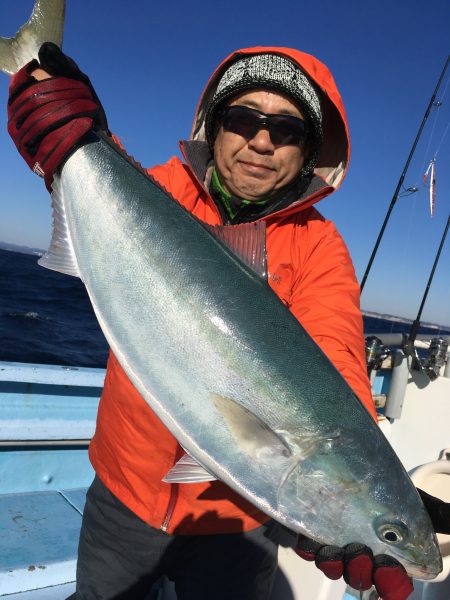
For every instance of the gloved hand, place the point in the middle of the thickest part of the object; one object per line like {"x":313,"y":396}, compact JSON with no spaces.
{"x":48,"y":118}
{"x":362,"y":570}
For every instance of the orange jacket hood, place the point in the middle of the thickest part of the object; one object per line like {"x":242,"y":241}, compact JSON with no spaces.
{"x":335,"y":153}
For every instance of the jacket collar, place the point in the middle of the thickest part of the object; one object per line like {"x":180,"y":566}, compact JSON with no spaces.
{"x":198,"y":157}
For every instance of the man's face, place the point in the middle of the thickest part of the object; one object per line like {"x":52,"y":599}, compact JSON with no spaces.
{"x":255,"y":169}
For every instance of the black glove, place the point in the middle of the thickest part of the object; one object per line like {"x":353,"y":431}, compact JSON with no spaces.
{"x":439,"y":512}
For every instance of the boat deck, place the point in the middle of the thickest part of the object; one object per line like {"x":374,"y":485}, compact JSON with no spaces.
{"x":38,"y":545}
{"x":48,"y":418}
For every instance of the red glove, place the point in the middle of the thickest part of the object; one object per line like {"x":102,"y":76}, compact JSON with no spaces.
{"x":359,"y":568}
{"x":48,"y":119}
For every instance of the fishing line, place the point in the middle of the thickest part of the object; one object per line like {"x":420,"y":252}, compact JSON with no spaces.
{"x":443,"y":137}
{"x":422,"y":186}
{"x":418,"y":187}
{"x":407,"y":238}
{"x":402,"y":177}
{"x":430,"y":137}
{"x":448,"y":124}
{"x":436,"y":105}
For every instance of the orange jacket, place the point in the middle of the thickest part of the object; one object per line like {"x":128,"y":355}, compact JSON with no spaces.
{"x":309,"y":269}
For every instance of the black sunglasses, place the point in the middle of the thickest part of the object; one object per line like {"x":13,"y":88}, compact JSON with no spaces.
{"x":246,"y":122}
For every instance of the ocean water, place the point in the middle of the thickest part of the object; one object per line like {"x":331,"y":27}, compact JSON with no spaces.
{"x":46,"y":317}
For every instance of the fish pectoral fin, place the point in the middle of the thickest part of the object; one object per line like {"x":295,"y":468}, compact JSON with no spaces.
{"x":253,"y":435}
{"x":188,"y":470}
{"x":307,"y":444}
{"x":60,"y":256}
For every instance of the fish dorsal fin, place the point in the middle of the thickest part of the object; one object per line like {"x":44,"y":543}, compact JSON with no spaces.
{"x":60,"y":256}
{"x":252,"y":434}
{"x":188,"y":470}
{"x":247,"y":241}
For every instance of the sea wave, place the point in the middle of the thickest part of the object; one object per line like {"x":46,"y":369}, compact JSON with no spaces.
{"x":28,"y":315}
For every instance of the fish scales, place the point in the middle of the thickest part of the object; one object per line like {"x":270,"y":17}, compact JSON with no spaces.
{"x":191,"y":324}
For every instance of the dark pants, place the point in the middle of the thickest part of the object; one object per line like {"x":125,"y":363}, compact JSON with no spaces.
{"x":120,"y":557}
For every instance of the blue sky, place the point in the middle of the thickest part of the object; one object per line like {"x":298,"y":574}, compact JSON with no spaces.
{"x":149,"y":62}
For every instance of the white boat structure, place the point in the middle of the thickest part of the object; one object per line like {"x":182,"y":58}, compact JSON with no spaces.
{"x":48,"y":416}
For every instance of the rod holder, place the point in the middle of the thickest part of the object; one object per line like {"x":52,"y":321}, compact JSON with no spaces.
{"x":400,"y":372}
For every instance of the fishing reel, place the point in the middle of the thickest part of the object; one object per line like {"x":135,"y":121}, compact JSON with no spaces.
{"x":433,"y":361}
{"x":376,"y":353}
{"x":436,"y":357}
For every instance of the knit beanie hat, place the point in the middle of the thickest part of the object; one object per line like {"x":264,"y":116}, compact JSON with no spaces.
{"x":273,"y":72}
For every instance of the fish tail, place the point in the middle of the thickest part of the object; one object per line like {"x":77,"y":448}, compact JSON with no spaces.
{"x":46,"y":24}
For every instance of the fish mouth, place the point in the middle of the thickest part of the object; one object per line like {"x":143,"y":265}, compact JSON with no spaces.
{"x":426,"y":569}
{"x":421,"y":572}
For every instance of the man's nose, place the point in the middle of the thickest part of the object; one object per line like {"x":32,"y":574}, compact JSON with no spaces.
{"x":261,"y":141}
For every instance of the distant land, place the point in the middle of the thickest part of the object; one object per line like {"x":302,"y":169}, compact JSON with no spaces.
{"x":395,"y":319}
{"x":367,"y":313}
{"x":21,"y":249}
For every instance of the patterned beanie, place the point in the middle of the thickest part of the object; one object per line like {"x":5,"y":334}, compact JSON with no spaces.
{"x":273,"y":72}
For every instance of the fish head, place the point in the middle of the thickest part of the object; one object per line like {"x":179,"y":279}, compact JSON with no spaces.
{"x":402,"y":531}
{"x":338,"y":503}
{"x":409,"y":537}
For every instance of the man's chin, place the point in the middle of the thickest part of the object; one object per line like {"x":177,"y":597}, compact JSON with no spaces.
{"x":250,"y":191}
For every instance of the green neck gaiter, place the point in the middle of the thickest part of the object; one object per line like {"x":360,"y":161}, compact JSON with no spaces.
{"x":232,"y":204}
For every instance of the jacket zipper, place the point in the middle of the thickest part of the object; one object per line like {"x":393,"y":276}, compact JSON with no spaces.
{"x":174,"y":491}
{"x":170,"y":506}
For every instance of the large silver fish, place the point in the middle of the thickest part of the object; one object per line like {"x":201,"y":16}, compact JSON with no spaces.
{"x":222,"y":362}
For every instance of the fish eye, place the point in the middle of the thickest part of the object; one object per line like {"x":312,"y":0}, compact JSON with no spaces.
{"x":393,"y":532}
{"x":390,"y":536}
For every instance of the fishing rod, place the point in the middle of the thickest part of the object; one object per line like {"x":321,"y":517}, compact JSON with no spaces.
{"x":402,"y":177}
{"x":415,"y":326}
{"x":409,"y":345}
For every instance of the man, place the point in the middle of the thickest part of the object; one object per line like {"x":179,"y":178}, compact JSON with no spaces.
{"x":269,"y":140}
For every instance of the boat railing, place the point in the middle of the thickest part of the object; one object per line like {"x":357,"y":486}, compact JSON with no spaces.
{"x":47,"y":419}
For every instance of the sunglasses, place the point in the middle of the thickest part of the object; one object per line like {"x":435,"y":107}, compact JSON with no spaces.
{"x":283,"y":129}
